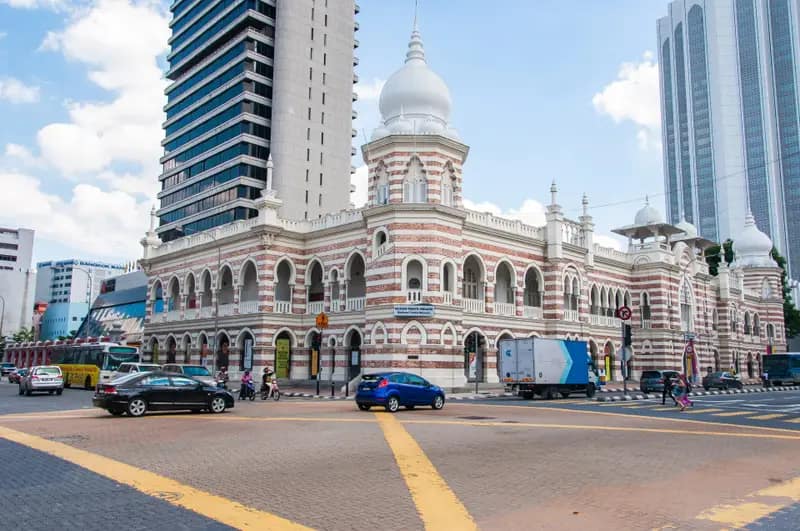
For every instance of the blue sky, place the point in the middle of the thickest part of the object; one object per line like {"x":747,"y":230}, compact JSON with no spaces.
{"x":541,"y":90}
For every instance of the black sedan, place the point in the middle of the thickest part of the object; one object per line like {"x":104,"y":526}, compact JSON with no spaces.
{"x":721,"y":380}
{"x":138,"y":393}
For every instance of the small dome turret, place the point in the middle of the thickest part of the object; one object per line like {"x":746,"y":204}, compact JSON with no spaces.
{"x":752,"y":248}
{"x":688,"y":228}
{"x":648,"y":215}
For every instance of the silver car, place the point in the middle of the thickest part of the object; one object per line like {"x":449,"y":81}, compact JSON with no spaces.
{"x":44,"y":378}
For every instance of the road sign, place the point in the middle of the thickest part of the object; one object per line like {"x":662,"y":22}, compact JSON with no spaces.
{"x":322,"y":321}
{"x":624,"y":313}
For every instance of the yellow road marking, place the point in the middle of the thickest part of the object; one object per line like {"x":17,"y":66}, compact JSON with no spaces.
{"x":793,"y":421}
{"x":605,"y":428}
{"x":734,"y":414}
{"x":752,"y":508}
{"x":768,"y":417}
{"x":739,"y":515}
{"x":437,"y":505}
{"x":709,"y":410}
{"x":665,"y":408}
{"x":209,"y":505}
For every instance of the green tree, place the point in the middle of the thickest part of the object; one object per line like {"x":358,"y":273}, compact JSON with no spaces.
{"x":791,"y":316}
{"x":24,"y":335}
{"x":714,"y":256}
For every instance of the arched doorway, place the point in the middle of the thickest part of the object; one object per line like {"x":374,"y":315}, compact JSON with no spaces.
{"x":205,"y":354}
{"x":750,"y":365}
{"x":609,"y":361}
{"x":172,"y":349}
{"x":716,"y":361}
{"x":223,"y":351}
{"x":187,"y":348}
{"x":353,"y":342}
{"x":152,"y":348}
{"x":474,"y":356}
{"x":283,"y":354}
{"x":246,"y":346}
{"x":593,"y":354}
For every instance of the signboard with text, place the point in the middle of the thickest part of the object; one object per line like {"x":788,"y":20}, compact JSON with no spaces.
{"x":414,"y":310}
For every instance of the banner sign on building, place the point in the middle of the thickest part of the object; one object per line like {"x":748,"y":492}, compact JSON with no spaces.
{"x":282,"y":358}
{"x":414,"y":310}
{"x":248,"y":354}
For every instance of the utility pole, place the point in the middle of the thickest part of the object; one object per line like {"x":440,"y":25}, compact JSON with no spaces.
{"x":2,"y":316}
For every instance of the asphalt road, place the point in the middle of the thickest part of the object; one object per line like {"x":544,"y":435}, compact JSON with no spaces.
{"x":501,"y":464}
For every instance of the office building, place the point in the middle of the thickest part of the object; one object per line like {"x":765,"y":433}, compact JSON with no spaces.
{"x":254,"y":80}
{"x":730,"y":117}
{"x":68,"y":287}
{"x":17,"y":280}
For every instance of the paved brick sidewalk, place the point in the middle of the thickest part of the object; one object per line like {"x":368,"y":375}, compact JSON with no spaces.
{"x":44,"y":492}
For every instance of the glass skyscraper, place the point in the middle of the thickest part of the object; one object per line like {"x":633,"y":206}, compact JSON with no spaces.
{"x":254,"y":79}
{"x":729,"y":100}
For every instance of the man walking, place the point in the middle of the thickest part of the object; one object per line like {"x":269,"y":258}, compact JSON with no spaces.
{"x":667,"y":391}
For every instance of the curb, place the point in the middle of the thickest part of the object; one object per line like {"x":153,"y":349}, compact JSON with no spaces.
{"x":626,"y":398}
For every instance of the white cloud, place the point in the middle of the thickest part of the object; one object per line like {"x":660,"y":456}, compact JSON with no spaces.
{"x":611,"y":242}
{"x":15,"y":91}
{"x":634,"y":96}
{"x":370,"y":91}
{"x":120,"y":41}
{"x":92,"y":220}
{"x":531,"y":212}
{"x":56,"y":5}
{"x":358,"y":197}
{"x":21,"y":154}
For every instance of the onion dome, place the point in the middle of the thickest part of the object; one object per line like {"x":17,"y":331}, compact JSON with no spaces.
{"x":648,"y":215}
{"x":752,"y":248}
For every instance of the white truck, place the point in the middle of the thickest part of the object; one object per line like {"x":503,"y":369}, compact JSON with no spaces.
{"x":547,"y":367}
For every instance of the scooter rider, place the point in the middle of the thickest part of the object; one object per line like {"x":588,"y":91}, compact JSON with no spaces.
{"x":266,"y":381}
{"x":247,"y":379}
{"x":222,"y":377}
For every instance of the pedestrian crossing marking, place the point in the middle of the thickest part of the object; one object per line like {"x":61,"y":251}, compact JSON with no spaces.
{"x":708,"y":410}
{"x":768,"y":417}
{"x":733,"y":414}
{"x":793,"y":421}
{"x":665,"y":408}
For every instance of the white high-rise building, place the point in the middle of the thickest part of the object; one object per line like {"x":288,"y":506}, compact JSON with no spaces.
{"x":730,"y":121}
{"x":257,"y":85}
{"x":16,"y":280}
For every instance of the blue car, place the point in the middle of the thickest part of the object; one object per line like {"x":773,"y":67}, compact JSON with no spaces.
{"x":394,"y":389}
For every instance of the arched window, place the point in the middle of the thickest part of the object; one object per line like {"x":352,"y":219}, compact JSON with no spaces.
{"x":205,"y":283}
{"x":226,"y":286}
{"x":576,"y":293}
{"x":756,"y":325}
{"x":415,"y":186}
{"x":191,"y":295}
{"x":747,"y":330}
{"x":473,"y":277}
{"x":414,"y":277}
{"x":381,"y":186}
{"x":533,"y":289}
{"x":283,"y":287}
{"x":646,"y":311}
{"x":766,"y":289}
{"x":174,"y":294}
{"x":686,"y":304}
{"x":503,"y":284}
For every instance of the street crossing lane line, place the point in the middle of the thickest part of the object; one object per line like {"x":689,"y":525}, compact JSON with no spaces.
{"x":438,"y":506}
{"x":793,"y":421}
{"x":733,"y":414}
{"x":209,"y":505}
{"x":701,"y":411}
{"x":768,"y":417}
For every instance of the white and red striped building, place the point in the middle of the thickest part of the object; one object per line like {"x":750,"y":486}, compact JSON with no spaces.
{"x":412,"y":278}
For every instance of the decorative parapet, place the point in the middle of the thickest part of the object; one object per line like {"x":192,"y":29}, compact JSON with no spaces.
{"x":194,"y":240}
{"x":327,"y":221}
{"x":513,"y":226}
{"x":613,"y":254}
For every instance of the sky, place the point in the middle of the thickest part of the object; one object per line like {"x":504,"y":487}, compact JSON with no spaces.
{"x":542,"y":90}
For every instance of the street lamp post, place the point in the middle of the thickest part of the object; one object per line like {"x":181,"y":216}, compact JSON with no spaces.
{"x":2,"y":316}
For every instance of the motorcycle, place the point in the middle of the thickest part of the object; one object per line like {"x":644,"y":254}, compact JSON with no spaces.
{"x":249,"y":391}
{"x":265,"y":390}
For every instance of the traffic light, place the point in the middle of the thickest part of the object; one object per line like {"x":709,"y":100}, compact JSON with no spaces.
{"x":628,"y":337}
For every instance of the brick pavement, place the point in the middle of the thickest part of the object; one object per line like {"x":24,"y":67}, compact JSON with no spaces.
{"x":41,"y":492}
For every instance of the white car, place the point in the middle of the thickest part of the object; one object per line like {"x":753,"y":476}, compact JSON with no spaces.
{"x":134,"y":368}
{"x":43,"y":378}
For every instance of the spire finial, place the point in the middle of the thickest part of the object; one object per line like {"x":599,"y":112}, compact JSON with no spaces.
{"x":585,"y":203}
{"x":416,"y":51}
{"x":553,"y":193}
{"x":153,"y":218}
{"x":270,"y":166}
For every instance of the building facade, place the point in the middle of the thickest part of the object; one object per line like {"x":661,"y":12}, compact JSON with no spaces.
{"x":17,"y":280}
{"x":730,"y":101}
{"x":68,"y":287}
{"x":254,"y":79}
{"x":415,"y":281}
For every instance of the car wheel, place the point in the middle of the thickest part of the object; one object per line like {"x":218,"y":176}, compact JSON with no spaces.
{"x":116,"y":412}
{"x":393,"y":404}
{"x":438,"y":402}
{"x":137,"y":407}
{"x":217,"y":404}
{"x":363,"y":407}
{"x":590,"y":390}
{"x":59,"y":391}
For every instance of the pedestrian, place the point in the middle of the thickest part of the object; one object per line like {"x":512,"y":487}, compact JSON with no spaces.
{"x":667,"y":390}
{"x":681,"y":393}
{"x":765,"y":378}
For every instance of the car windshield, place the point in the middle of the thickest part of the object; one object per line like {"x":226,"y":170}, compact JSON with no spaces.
{"x":196,"y":371}
{"x":55,"y":371}
{"x":147,"y":368}
{"x":371,"y":377}
{"x":112,"y":360}
{"x":651,"y":374}
{"x":126,"y":378}
{"x":8,"y":364}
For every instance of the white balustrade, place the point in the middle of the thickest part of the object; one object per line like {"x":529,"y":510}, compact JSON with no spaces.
{"x":283,"y":306}
{"x":514,"y":226}
{"x":380,"y":250}
{"x":448,"y":297}
{"x":157,"y":317}
{"x":473,"y":305}
{"x":226,"y":309}
{"x":571,"y":315}
{"x":336,"y":305}
{"x":315,"y":308}
{"x":190,"y":314}
{"x":532,"y":312}
{"x":173,"y":315}
{"x":206,"y":312}
{"x":414,"y":295}
{"x":504,"y":308}
{"x":356,"y":304}
{"x":248,"y":307}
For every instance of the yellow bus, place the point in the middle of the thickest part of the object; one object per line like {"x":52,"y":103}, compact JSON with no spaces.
{"x":87,"y":364}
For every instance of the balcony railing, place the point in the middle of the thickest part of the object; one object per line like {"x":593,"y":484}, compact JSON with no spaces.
{"x":158,"y":317}
{"x":571,"y":315}
{"x":226,"y":309}
{"x":380,"y":250}
{"x":315,"y":307}
{"x":356,"y":304}
{"x":283,"y":306}
{"x":448,"y":297}
{"x":248,"y":307}
{"x":473,"y":305}
{"x":336,"y":305}
{"x":173,"y":315}
{"x":206,"y":312}
{"x":532,"y":312}
{"x":190,"y":314}
{"x":504,"y":308}
{"x":603,"y":320}
{"x":414,"y":295}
